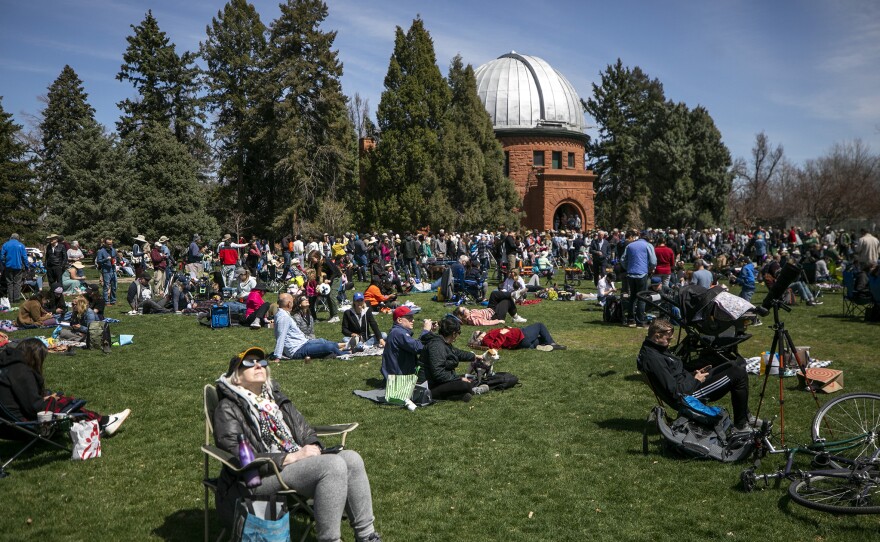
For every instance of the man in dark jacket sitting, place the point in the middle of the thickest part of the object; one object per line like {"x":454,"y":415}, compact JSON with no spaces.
{"x":439,"y":360}
{"x":671,"y":382}
{"x":359,"y":324}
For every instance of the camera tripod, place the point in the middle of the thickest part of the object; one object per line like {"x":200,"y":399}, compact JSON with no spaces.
{"x":783,"y":345}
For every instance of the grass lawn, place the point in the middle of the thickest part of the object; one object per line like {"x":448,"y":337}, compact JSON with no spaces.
{"x":557,"y":458}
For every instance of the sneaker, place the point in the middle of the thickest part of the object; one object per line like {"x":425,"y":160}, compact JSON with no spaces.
{"x":544,"y":347}
{"x":353,"y":342}
{"x":411,"y":407}
{"x":519,"y":319}
{"x":558,"y":347}
{"x":466,"y":398}
{"x":631,"y":324}
{"x":333,"y":320}
{"x":132,"y":313}
{"x":742,"y":428}
{"x":372,"y":537}
{"x":480,"y":390}
{"x":115,"y":422}
{"x":255,"y":324}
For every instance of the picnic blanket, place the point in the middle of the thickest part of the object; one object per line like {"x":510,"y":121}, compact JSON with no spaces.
{"x":378,"y":396}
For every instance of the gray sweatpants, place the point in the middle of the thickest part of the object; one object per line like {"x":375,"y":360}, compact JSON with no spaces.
{"x":336,"y":482}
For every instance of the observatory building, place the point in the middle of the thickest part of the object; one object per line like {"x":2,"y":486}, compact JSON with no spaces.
{"x":539,"y":121}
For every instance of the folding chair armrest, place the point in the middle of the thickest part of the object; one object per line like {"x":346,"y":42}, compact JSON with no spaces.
{"x":337,"y":429}
{"x":231,"y":462}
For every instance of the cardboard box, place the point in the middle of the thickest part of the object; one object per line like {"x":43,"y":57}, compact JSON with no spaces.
{"x":823,"y":379}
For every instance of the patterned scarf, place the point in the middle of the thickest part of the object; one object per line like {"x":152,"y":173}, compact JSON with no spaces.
{"x":268,"y":416}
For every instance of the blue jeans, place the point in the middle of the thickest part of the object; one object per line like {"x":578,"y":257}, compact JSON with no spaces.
{"x":109,"y":286}
{"x":317,"y":348}
{"x":534,"y":335}
{"x":372,"y":341}
{"x":413,"y":265}
{"x":747,"y":293}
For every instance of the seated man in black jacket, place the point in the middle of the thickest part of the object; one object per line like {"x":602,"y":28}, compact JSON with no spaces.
{"x":439,"y":360}
{"x":672,"y":382}
{"x":359,"y":325}
{"x":139,"y":297}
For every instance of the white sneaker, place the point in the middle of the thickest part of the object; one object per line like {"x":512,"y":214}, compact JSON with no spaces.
{"x":115,"y":422}
{"x":255,"y":324}
{"x":132,"y":313}
{"x":333,"y":320}
{"x":519,"y":319}
{"x":480,"y":390}
{"x":353,"y":342}
{"x":410,"y":405}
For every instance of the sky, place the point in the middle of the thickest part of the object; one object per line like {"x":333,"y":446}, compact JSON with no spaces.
{"x":807,"y":73}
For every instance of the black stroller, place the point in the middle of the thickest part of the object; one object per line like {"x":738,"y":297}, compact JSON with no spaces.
{"x":711,"y":322}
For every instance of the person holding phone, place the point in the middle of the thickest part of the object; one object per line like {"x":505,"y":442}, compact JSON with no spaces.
{"x":672,"y":382}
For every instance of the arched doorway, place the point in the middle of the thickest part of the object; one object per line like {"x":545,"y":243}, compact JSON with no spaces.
{"x":568,"y":217}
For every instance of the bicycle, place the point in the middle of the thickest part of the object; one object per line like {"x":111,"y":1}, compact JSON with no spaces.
{"x":847,"y":480}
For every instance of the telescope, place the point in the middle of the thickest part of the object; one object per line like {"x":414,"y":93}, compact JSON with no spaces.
{"x":791,"y":272}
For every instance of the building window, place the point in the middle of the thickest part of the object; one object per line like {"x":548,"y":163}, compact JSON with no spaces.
{"x":571,"y":159}
{"x":507,"y":163}
{"x":537,"y":158}
{"x":557,"y":160}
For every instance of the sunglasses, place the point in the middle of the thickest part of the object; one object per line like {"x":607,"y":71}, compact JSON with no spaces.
{"x":248,"y":363}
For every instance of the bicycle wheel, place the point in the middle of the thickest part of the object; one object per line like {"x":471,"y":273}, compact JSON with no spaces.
{"x":839,"y":492}
{"x":849,"y":416}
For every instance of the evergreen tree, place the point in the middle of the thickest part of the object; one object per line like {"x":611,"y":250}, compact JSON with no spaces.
{"x":669,"y":162}
{"x":624,"y":105}
{"x":163,"y":190}
{"x":67,"y":113}
{"x":16,"y":179}
{"x":404,"y":190}
{"x":97,"y":197}
{"x":477,"y":194}
{"x":167,"y":84}
{"x":711,"y":173}
{"x":235,"y":52}
{"x":305,"y":131}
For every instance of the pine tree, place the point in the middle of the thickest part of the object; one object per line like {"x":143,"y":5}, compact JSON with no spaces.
{"x":623,"y":105}
{"x":305,"y":128}
{"x":16,"y":179}
{"x":711,"y":172}
{"x":167,"y":84}
{"x":669,"y":161}
{"x":235,"y":53}
{"x":67,"y":113}
{"x":404,"y":189}
{"x":163,"y":190}
{"x":98,"y":197}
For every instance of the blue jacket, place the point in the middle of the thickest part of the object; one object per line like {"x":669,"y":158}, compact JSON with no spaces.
{"x":746,"y":277}
{"x":401,"y":353}
{"x":13,"y":254}
{"x":639,"y":258}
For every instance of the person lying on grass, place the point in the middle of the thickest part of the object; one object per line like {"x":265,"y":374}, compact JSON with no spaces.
{"x":253,"y":405}
{"x":500,"y":305}
{"x":511,"y":338}
{"x":23,"y":391}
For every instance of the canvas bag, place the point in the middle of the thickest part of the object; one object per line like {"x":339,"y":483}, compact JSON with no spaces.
{"x":399,"y":388}
{"x":86,"y":437}
{"x":261,"y":520}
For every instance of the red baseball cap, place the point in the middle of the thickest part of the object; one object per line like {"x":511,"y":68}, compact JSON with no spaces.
{"x":402,"y":312}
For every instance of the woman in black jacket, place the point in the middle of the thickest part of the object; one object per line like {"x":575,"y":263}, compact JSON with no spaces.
{"x":359,"y":324}
{"x":23,"y":392}
{"x":252,"y":404}
{"x":325,"y":273}
{"x":439,"y":360}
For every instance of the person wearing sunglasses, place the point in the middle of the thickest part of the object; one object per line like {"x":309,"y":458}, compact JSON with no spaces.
{"x":253,"y":405}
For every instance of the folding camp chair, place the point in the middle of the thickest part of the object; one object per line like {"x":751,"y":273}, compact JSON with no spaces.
{"x":30,"y":433}
{"x":297,"y":504}
{"x":853,"y":306}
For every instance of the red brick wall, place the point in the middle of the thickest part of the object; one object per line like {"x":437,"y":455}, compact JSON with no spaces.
{"x":545,"y":189}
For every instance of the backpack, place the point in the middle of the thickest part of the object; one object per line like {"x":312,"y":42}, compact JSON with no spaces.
{"x":612,"y":312}
{"x":99,"y":336}
{"x":697,"y":435}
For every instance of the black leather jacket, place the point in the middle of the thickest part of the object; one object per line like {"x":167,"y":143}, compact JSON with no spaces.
{"x":230,"y":420}
{"x":57,"y":256}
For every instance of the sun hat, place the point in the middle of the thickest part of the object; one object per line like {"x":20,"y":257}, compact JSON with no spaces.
{"x":78,"y":265}
{"x":140,"y":238}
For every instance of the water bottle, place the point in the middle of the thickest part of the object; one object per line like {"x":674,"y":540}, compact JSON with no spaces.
{"x":245,"y":457}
